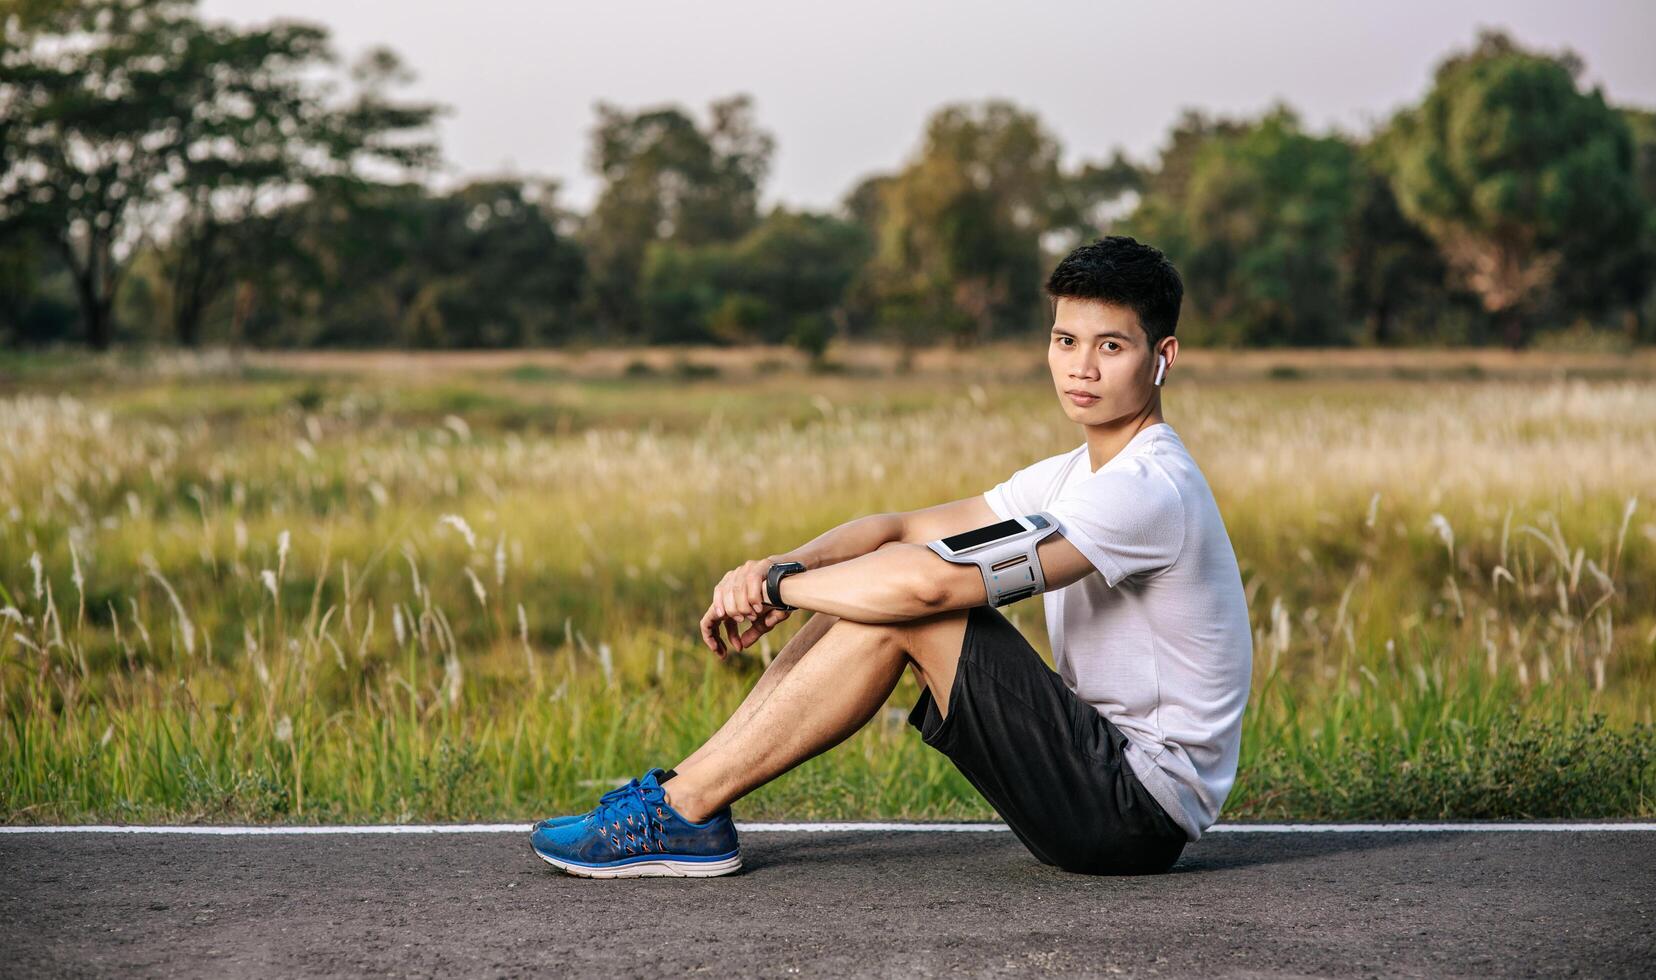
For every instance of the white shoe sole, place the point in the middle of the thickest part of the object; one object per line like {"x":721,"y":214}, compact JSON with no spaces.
{"x":664,"y":868}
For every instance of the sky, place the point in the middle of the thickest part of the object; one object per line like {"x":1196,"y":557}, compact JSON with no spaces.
{"x":846,"y":87}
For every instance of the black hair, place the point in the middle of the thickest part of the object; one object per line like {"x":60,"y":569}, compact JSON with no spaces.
{"x":1123,"y":271}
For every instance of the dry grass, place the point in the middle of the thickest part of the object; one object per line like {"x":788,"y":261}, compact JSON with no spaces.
{"x":391,"y":591}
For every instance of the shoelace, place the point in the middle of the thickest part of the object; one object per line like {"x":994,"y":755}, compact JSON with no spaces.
{"x":619,"y":791}
{"x":631,"y":821}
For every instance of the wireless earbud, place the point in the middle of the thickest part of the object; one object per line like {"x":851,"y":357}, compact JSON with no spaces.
{"x":1161,"y":368}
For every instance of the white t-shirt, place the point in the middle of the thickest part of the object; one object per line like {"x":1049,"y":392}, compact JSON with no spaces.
{"x":1159,"y":640}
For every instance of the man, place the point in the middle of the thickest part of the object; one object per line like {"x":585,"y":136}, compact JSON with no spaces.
{"x":1109,"y":764}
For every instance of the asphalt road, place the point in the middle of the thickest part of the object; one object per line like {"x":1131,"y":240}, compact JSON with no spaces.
{"x":1346,"y":904}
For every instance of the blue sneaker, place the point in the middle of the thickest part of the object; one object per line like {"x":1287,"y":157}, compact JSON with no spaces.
{"x":636,"y":835}
{"x":615,"y":793}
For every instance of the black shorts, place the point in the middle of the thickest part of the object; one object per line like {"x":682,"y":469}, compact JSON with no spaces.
{"x":1049,"y":763}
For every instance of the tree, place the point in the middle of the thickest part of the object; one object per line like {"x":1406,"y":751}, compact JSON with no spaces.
{"x":341,"y":267}
{"x":491,"y":264}
{"x":1642,"y":124}
{"x":1516,"y":173}
{"x":1258,"y":229}
{"x":1163,"y":188}
{"x":1392,"y":267}
{"x":130,"y":123}
{"x":510,"y":277}
{"x":92,"y":93}
{"x":1089,"y":196}
{"x":667,"y":180}
{"x":262,"y":132}
{"x":1636,"y":279}
{"x":958,"y":242}
{"x":37,"y":300}
{"x":864,"y":207}
{"x":785,"y":281}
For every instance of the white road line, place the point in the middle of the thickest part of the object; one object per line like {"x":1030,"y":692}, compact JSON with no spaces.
{"x":767,"y":828}
{"x":1419,"y":828}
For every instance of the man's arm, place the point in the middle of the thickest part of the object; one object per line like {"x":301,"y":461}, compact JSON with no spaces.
{"x":881,"y":568}
{"x":849,"y":540}
{"x":891,"y":584}
{"x":907,"y":581}
{"x":859,"y":537}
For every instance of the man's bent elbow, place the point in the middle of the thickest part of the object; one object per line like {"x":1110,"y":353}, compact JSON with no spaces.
{"x":930,"y":594}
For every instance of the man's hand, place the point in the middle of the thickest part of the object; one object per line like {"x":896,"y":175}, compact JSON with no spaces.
{"x":740,"y":596}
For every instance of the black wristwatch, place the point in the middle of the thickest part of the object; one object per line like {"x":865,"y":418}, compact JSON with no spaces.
{"x":773,"y":583}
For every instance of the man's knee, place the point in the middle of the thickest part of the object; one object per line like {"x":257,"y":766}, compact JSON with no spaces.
{"x":882,"y":635}
{"x":938,"y":634}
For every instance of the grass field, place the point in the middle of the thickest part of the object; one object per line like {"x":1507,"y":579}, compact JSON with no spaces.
{"x":382,"y":587}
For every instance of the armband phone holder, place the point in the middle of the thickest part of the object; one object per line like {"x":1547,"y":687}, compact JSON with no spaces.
{"x":1005,"y":553}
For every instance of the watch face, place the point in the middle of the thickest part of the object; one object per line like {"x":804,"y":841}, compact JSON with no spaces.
{"x":773,"y":581}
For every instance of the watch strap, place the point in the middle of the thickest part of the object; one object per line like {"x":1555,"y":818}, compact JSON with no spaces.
{"x":773,"y":583}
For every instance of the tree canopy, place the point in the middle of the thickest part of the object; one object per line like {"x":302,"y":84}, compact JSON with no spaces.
{"x":1523,"y":180}
{"x":164,"y":178}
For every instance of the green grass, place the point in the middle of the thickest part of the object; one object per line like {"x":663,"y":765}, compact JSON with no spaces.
{"x":1453,"y":585}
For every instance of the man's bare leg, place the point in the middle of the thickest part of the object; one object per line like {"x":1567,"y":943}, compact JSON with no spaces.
{"x":784,"y":661}
{"x":780,"y":665}
{"x":817,"y":703}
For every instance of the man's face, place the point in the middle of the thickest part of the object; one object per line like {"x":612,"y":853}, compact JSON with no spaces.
{"x":1100,"y":349}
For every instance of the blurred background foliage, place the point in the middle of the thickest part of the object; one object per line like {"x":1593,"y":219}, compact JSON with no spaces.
{"x":167,"y":180}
